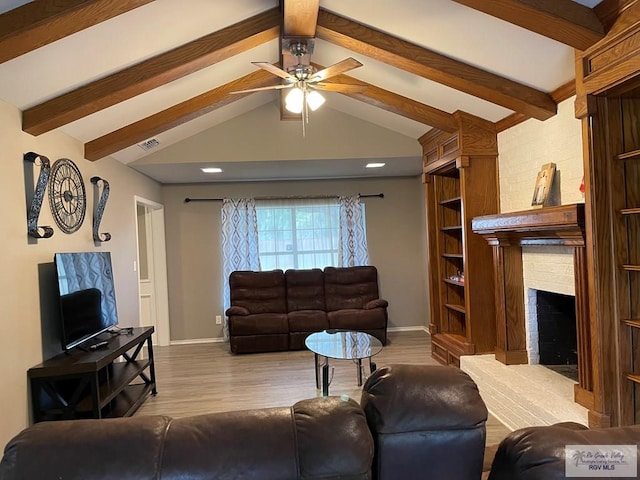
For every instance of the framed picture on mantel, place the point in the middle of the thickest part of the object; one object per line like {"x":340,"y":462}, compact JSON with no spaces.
{"x":544,"y":182}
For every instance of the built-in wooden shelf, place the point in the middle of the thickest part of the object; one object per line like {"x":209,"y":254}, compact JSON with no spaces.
{"x":633,"y":155}
{"x":630,"y":211}
{"x":452,"y":228}
{"x":631,"y":268}
{"x":452,"y":255}
{"x":453,"y":282}
{"x":451,"y":202}
{"x":456,"y":308}
{"x":635,"y":378}
{"x":632,"y":322}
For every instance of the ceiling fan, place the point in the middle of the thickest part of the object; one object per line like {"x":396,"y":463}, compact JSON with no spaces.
{"x":305,"y":80}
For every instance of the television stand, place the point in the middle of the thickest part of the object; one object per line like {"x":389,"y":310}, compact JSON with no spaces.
{"x":110,"y":381}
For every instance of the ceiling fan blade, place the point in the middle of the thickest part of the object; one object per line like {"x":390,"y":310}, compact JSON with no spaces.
{"x":336,"y":69}
{"x":260,"y":89}
{"x":275,"y":70}
{"x":340,"y":87}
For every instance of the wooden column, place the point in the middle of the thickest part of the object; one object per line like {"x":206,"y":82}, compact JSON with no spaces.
{"x":511,"y":347}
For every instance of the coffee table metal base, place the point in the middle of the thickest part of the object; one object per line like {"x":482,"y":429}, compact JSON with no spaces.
{"x":341,"y":345}
{"x":322,"y":372}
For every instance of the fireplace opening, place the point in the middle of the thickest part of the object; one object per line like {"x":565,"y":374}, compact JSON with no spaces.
{"x":557,"y":337}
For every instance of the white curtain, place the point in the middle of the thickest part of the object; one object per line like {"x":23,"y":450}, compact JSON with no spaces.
{"x":239,"y":243}
{"x":353,"y":232}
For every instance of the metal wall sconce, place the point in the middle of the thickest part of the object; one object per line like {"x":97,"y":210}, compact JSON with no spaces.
{"x":33,"y":213}
{"x":99,"y":209}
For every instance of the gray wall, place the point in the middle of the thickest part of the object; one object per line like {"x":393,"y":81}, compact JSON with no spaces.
{"x":28,"y":302}
{"x":395,"y":231}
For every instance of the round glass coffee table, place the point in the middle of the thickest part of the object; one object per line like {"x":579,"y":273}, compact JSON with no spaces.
{"x":341,"y":345}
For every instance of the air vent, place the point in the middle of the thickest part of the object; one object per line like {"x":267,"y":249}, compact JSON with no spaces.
{"x":149,"y":144}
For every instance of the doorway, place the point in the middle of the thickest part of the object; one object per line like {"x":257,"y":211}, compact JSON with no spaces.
{"x":152,"y":269}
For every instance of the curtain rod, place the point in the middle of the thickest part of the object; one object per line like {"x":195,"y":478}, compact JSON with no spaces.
{"x":187,"y":200}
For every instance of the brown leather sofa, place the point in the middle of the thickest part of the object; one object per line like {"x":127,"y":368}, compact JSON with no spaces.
{"x":276,"y":310}
{"x":538,"y":453}
{"x":413,"y":422}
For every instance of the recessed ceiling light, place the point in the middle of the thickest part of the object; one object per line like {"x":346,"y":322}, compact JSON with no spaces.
{"x":211,"y":170}
{"x":375,"y":165}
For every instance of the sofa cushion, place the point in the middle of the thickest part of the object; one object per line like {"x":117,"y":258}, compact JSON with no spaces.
{"x":308,"y":321}
{"x":250,"y":444}
{"x":319,"y":438}
{"x":259,"y":343}
{"x":305,"y":289}
{"x":350,"y":287}
{"x":357,"y":319}
{"x":123,"y":448}
{"x":259,"y":292}
{"x":333,"y":437}
{"x":261,"y":323}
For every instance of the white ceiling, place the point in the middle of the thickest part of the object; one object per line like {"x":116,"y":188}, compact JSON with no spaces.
{"x":440,"y":25}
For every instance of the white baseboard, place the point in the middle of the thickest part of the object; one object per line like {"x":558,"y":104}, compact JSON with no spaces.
{"x":415,"y":328}
{"x":193,"y":341}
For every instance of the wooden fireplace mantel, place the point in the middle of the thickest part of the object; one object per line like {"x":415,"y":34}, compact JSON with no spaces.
{"x":507,"y":233}
{"x":563,"y":225}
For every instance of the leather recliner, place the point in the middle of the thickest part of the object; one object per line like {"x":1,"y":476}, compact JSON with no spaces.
{"x":276,"y":310}
{"x":416,"y":422}
{"x":538,"y":453}
{"x":258,"y":314}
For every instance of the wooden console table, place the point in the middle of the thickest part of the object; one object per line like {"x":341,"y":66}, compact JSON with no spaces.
{"x":93,"y":384}
{"x":507,"y":233}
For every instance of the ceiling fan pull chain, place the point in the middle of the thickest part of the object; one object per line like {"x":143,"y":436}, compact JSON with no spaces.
{"x":305,"y":111}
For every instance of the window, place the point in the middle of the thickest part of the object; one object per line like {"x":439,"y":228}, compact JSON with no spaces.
{"x":298,"y":233}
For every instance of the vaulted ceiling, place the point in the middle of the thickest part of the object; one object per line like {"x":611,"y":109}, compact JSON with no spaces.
{"x":117,"y":73}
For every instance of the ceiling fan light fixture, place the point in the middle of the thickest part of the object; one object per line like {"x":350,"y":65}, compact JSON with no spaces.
{"x":294,"y":100}
{"x":314,"y":100}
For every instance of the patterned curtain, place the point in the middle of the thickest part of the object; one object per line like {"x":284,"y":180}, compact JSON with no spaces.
{"x":353,"y":232}
{"x":239,"y":243}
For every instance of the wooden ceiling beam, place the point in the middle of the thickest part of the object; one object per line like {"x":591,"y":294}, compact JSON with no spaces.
{"x":152,"y":73}
{"x":176,"y":115}
{"x":392,"y":102}
{"x":41,"y":22}
{"x":300,"y":18}
{"x":566,"y":21}
{"x":434,"y":66}
{"x":221,"y":96}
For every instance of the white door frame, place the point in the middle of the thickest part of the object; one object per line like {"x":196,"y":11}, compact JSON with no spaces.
{"x":155,"y":219}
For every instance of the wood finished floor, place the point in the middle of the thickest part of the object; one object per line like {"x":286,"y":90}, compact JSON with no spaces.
{"x":205,"y":378}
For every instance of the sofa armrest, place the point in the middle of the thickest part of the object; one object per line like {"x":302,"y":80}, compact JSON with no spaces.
{"x":236,"y":310}
{"x":377,"y":303}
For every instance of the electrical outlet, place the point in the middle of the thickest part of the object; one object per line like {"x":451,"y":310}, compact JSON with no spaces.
{"x":218,"y":319}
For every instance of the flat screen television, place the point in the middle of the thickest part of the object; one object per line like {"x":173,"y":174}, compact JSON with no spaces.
{"x":87,"y":295}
